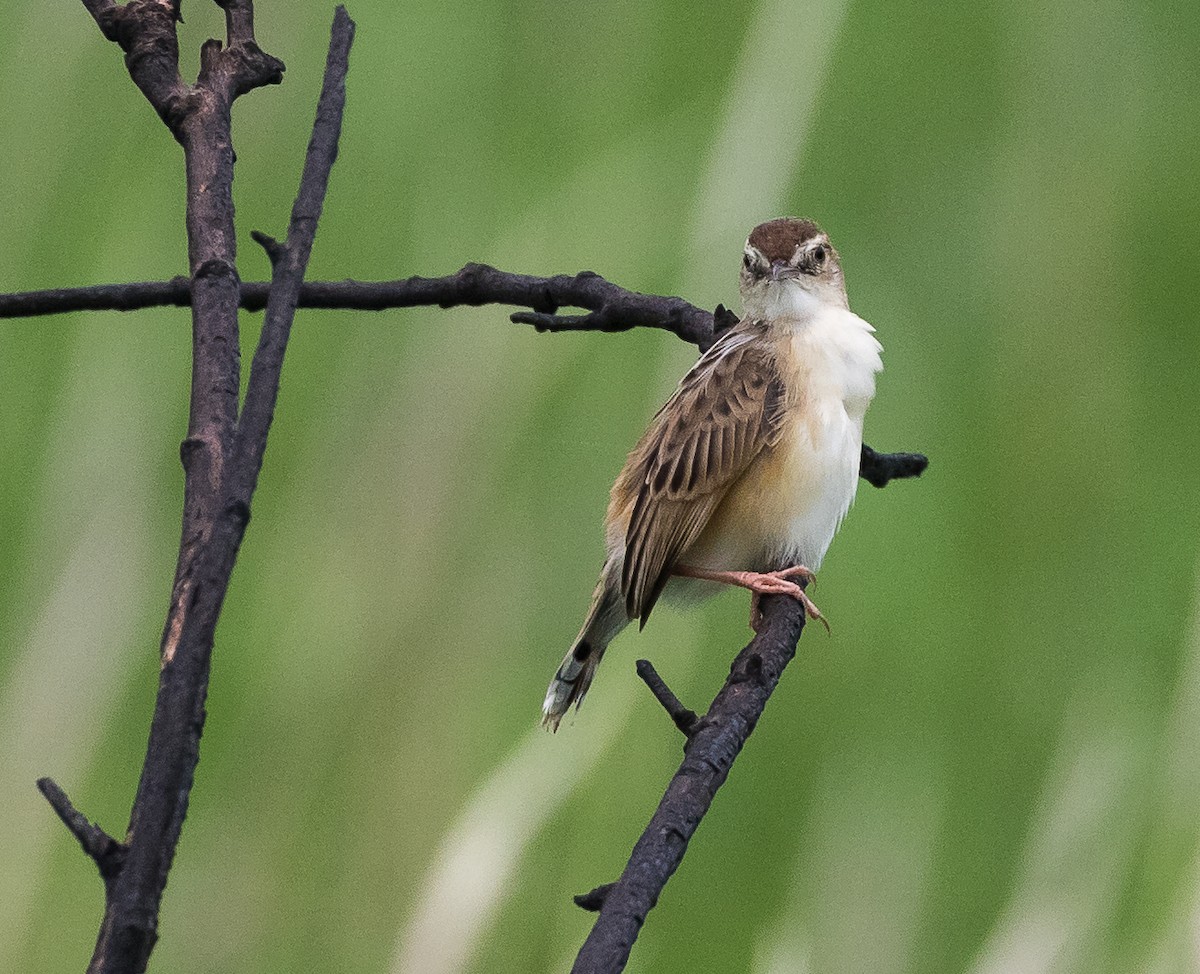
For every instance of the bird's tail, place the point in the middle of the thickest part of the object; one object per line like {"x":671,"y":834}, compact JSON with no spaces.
{"x":606,"y":617}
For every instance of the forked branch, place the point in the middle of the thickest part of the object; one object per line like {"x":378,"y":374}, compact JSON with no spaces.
{"x":222,"y":453}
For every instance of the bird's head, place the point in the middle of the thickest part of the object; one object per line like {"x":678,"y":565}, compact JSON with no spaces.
{"x":788,"y":267}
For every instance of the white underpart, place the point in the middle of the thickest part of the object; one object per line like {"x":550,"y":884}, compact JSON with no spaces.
{"x":842,"y":357}
{"x":788,"y":512}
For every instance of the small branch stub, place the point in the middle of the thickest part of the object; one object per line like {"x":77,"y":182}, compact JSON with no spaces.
{"x":878,"y":469}
{"x":273,"y":248}
{"x":593,"y":900}
{"x":106,"y":852}
{"x":684,"y":718}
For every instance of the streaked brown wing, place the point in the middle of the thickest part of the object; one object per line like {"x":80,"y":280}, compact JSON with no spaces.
{"x":725,"y":411}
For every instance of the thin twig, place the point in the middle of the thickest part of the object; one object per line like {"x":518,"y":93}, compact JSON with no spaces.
{"x":612,"y":308}
{"x":684,"y":719}
{"x":289,"y":262}
{"x":106,"y":852}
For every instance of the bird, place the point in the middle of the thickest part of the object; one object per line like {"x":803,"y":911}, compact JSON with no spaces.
{"x":745,"y":474}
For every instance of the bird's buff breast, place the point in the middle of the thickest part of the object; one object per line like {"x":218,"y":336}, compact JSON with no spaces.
{"x":786,"y":507}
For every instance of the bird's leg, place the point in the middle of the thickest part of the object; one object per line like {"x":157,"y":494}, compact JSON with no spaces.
{"x":762,"y":583}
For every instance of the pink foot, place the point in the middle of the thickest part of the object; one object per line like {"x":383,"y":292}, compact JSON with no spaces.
{"x":763,"y":583}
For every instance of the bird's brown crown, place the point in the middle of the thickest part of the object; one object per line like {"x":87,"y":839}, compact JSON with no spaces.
{"x":778,"y":239}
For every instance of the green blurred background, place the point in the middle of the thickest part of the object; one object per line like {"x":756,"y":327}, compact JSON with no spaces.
{"x":990,"y":767}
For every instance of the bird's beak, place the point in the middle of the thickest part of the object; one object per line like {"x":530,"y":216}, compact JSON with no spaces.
{"x":781,"y":270}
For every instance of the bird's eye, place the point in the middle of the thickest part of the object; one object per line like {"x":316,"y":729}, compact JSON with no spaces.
{"x":747,"y":261}
{"x":819,"y":255}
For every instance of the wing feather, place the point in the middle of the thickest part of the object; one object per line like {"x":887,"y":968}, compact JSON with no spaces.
{"x":724,"y":413}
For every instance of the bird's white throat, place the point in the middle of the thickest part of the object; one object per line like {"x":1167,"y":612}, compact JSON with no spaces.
{"x":789,"y":301}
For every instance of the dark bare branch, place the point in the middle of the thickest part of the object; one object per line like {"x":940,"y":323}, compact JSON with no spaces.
{"x":145,"y":31}
{"x":613,"y":308}
{"x":289,"y":262}
{"x":242,"y":66}
{"x":215,"y":512}
{"x":710,"y":751}
{"x":107,"y":297}
{"x":239,"y":21}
